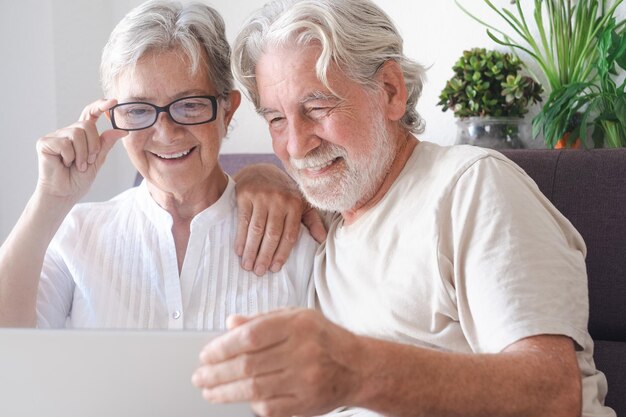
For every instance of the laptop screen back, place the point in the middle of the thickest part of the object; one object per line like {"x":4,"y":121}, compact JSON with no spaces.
{"x":103,"y":373}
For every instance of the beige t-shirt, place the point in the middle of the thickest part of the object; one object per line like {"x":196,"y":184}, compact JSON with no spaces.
{"x":463,"y":254}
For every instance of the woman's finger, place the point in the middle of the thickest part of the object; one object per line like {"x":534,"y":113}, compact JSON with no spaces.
{"x":57,"y":146}
{"x":94,"y":110}
{"x":89,"y":116}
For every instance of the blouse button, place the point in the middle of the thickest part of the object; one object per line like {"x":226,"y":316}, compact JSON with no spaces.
{"x":176,"y":314}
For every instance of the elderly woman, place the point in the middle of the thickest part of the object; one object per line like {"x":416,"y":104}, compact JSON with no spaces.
{"x":160,"y":255}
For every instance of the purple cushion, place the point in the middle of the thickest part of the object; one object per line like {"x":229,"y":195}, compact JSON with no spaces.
{"x":233,"y":162}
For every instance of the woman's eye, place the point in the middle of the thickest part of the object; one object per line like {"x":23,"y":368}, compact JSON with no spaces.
{"x":136,"y":112}
{"x":194,"y":106}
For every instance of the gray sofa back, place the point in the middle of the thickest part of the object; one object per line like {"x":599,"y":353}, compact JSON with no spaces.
{"x":589,"y":188}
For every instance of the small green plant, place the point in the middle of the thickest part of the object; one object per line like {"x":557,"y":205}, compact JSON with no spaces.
{"x":489,"y":83}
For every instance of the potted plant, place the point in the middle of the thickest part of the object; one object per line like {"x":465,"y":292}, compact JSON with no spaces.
{"x":564,"y":41}
{"x":598,"y":106}
{"x":490,"y":96}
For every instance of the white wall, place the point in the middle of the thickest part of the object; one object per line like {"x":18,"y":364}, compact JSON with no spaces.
{"x":28,"y":104}
{"x":51,"y":50}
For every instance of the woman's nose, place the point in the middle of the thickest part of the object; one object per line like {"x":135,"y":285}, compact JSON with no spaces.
{"x":165,"y":128}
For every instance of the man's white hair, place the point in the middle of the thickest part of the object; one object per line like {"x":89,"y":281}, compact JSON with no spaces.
{"x":356,"y":35}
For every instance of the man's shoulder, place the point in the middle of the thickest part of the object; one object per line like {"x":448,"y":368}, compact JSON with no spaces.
{"x":434,"y":156}
{"x":436,"y":165}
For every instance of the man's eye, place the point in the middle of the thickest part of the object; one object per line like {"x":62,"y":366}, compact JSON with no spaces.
{"x":317,"y":112}
{"x":275,"y":120}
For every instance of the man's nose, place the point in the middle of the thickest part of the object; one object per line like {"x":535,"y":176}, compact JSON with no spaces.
{"x":302,"y":137}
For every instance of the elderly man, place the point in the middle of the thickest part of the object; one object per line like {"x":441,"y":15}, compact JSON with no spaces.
{"x":449,"y":285}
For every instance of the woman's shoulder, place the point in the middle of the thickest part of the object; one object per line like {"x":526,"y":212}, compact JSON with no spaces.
{"x":126,"y":197}
{"x":103,"y":211}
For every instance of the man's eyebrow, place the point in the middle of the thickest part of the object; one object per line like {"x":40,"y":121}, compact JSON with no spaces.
{"x":319,"y":95}
{"x":315,"y":95}
{"x":263,"y":111}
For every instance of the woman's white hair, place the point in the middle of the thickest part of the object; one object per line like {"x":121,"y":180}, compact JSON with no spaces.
{"x":194,"y":29}
{"x":356,"y":35}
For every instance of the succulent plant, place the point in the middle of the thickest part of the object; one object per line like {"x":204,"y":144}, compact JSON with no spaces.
{"x":489,"y":83}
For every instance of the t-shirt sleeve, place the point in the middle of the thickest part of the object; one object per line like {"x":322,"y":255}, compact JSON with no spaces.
{"x":519,"y":267}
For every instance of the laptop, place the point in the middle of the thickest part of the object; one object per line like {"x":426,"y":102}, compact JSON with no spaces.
{"x":104,"y":373}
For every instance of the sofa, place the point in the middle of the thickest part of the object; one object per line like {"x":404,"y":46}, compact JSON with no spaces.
{"x":589,"y":188}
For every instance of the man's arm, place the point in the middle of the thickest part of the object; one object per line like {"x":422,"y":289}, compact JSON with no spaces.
{"x":296,"y":362}
{"x":270,"y":211}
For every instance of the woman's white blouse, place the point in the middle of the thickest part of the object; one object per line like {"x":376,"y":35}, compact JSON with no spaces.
{"x":113,"y":265}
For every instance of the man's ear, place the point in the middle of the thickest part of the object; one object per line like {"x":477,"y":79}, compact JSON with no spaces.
{"x":394,"y":87}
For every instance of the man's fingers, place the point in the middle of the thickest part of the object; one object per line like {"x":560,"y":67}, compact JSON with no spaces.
{"x":313,"y":221}
{"x":258,"y":388}
{"x":289,"y":238}
{"x":256,"y":229}
{"x":276,"y":222}
{"x":236,"y":320}
{"x":260,"y":332}
{"x":244,"y":210}
{"x":241,"y":367}
{"x":278,"y":406}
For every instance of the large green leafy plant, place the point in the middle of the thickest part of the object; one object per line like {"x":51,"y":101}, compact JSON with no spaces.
{"x":564,"y":38}
{"x":598,"y":105}
{"x":489,"y":83}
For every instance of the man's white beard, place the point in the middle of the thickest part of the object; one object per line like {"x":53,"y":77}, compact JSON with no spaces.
{"x":353,"y":181}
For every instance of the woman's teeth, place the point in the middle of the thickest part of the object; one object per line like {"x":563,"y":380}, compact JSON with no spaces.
{"x":174,"y":155}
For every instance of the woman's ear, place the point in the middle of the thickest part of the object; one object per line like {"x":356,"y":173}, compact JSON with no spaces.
{"x":394,"y":87}
{"x":234,"y":100}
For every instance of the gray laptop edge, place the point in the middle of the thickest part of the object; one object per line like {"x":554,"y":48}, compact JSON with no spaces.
{"x":104,"y":373}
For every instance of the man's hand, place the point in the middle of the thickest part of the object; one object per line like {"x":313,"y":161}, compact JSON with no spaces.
{"x":270,"y":212}
{"x":286,"y":362}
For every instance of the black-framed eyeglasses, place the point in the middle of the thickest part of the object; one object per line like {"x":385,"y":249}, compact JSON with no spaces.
{"x":137,"y":115}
